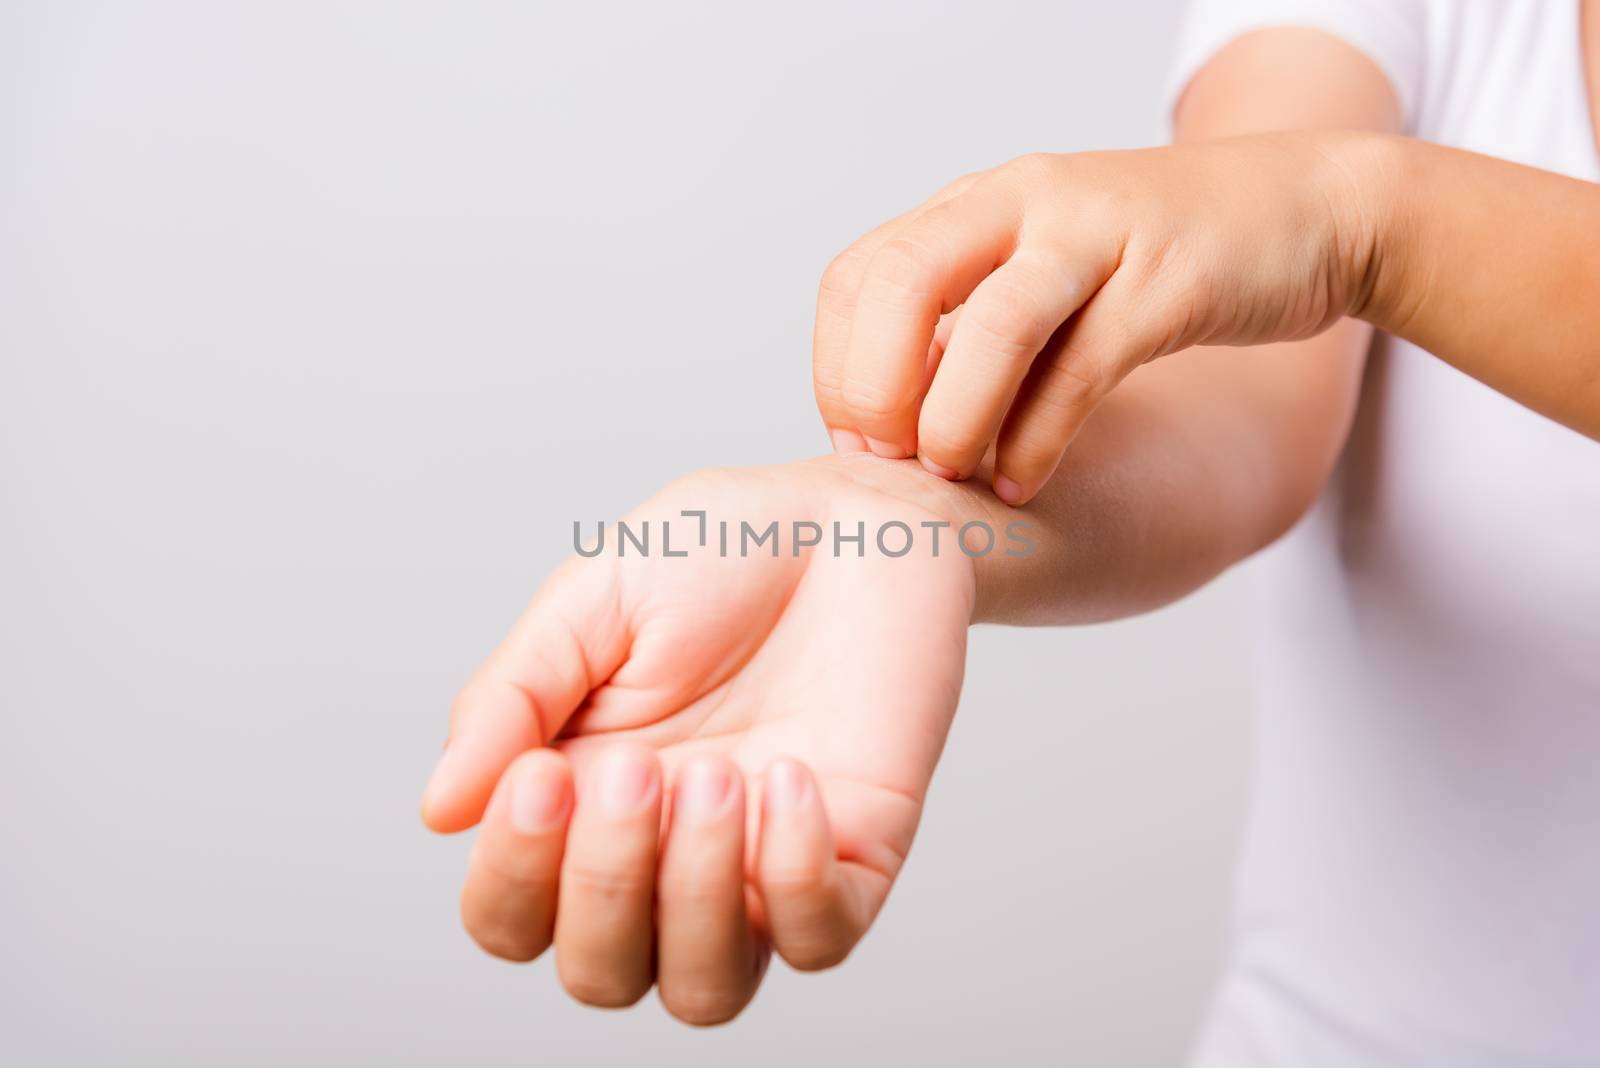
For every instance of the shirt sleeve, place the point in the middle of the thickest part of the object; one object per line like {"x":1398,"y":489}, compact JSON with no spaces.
{"x":1389,"y":32}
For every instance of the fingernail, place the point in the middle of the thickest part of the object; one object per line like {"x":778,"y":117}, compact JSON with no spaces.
{"x":703,"y":789}
{"x":538,"y":801}
{"x":1007,"y":490}
{"x":847,"y":441}
{"x":786,"y":786}
{"x":939,"y":469}
{"x":886,"y":450}
{"x":627,"y":778}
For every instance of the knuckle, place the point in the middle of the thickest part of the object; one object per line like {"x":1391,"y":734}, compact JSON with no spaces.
{"x":1075,"y":379}
{"x":1031,"y":166}
{"x":606,"y":884}
{"x":1026,"y":457}
{"x":523,"y":872}
{"x":1010,"y":318}
{"x":696,"y":887}
{"x":960,"y":184}
{"x":797,"y":884}
{"x":904,"y":265}
{"x":873,"y":401}
{"x":843,"y":273}
{"x":828,"y":396}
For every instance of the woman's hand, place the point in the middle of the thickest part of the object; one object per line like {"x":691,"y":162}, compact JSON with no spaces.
{"x":1005,"y":308}
{"x":681,"y":760}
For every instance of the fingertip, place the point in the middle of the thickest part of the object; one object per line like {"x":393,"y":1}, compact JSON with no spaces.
{"x":443,"y":820}
{"x":540,"y":793}
{"x":439,"y":811}
{"x":787,"y":786}
{"x":705,"y":788}
{"x":846,"y":441}
{"x":508,"y":899}
{"x":494,"y":723}
{"x":452,"y":803}
{"x":811,"y":920}
{"x":795,"y":833}
{"x":627,"y":778}
{"x":939,"y":469}
{"x":887,"y":449}
{"x":1010,"y":492}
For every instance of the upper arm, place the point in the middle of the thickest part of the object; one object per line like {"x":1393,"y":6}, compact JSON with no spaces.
{"x":1284,"y":409}
{"x":1285,"y":77}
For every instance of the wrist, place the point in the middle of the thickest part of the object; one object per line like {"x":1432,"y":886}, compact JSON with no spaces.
{"x":1368,"y":183}
{"x":957,"y":503}
{"x":905,"y":480}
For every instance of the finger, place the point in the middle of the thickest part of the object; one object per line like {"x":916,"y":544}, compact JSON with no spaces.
{"x":921,"y":273}
{"x":603,"y":921}
{"x":567,"y":642}
{"x":508,"y":904}
{"x":817,"y":908}
{"x":706,"y":960}
{"x":1121,"y":327}
{"x":936,"y":351}
{"x":1004,"y":324}
{"x":836,"y":299}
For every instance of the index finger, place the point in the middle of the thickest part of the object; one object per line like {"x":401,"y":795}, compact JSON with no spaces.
{"x":927,"y":269}
{"x":836,"y":302}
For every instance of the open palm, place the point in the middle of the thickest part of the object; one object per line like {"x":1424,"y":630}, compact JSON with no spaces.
{"x":825,"y":678}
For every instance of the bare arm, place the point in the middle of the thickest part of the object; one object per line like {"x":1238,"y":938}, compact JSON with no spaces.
{"x":685,"y":764}
{"x":1192,"y":463}
{"x":1071,"y":271}
{"x":1492,"y":267}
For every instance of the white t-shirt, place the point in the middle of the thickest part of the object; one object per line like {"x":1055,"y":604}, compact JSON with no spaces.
{"x":1420,"y":884}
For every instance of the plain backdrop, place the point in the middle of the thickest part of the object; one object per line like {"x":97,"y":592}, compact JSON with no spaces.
{"x":319,"y":323}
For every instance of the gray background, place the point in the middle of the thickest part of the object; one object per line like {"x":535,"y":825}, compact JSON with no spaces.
{"x":319,"y":323}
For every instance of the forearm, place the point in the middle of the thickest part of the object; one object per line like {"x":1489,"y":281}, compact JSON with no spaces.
{"x":1491,"y":266}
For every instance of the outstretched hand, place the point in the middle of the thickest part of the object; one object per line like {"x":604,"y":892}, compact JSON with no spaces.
{"x":683,"y":762}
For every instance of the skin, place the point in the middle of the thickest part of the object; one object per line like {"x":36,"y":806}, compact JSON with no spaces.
{"x":1071,"y":271}
{"x":1589,"y":42}
{"x":690,"y":759}
{"x":682,"y":765}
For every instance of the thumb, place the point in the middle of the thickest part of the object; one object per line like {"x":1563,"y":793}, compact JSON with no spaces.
{"x":569,"y":641}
